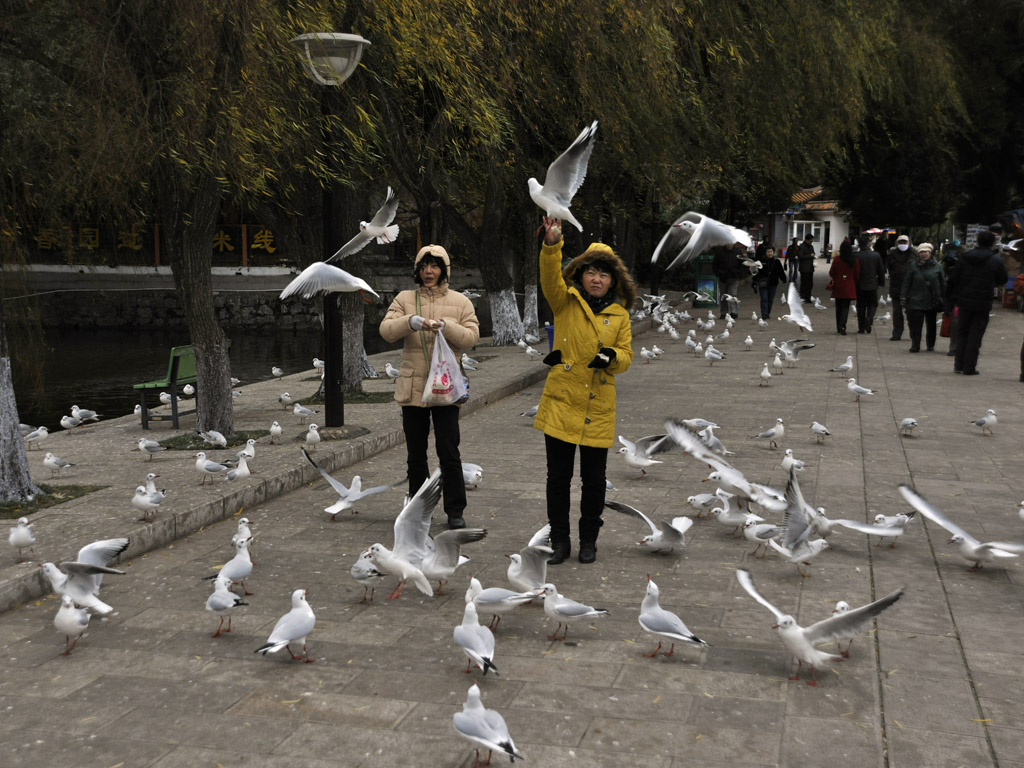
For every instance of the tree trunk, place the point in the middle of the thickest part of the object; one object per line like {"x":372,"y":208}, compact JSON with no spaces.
{"x":531,"y":269}
{"x":506,"y":324}
{"x":190,"y":208}
{"x":15,"y":478}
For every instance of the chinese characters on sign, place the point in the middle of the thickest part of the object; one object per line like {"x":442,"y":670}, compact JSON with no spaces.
{"x":138,"y":245}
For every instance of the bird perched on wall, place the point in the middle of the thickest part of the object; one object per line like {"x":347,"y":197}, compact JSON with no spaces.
{"x":149,"y":447}
{"x":55,"y":464}
{"x":21,"y":536}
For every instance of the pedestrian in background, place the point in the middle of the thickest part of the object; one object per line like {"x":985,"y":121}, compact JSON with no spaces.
{"x":844,"y":273}
{"x":972,"y":284}
{"x":870,"y":279}
{"x":923,"y":290}
{"x":792,"y":260}
{"x":590,"y":300}
{"x":767,"y":280}
{"x":897,"y":259}
{"x":728,"y":268}
{"x":805,"y":262}
{"x":416,"y":316}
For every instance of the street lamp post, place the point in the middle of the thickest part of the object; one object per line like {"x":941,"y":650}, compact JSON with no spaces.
{"x":329,"y":58}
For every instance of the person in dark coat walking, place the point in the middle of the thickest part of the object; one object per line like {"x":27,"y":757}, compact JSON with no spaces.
{"x":729,"y":269}
{"x":972,"y":284}
{"x":844,"y":273}
{"x":899,"y":257}
{"x":791,"y":259}
{"x":805,"y":260}
{"x":923,"y":291}
{"x":767,"y":280}
{"x":871,"y":278}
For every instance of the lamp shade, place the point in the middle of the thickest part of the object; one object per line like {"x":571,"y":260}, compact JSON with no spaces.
{"x":330,"y":57}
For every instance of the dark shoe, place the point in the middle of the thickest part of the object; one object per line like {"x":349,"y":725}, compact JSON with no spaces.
{"x":456,"y":523}
{"x":958,"y":370}
{"x":951,"y":353}
{"x":930,"y":349}
{"x":721,"y":316}
{"x":894,"y":338}
{"x":868,"y":329}
{"x":734,"y":316}
{"x":975,"y":372}
{"x":842,"y":331}
{"x":1021,"y":377}
{"x":562,"y":550}
{"x":588,"y":551}
{"x":861,"y":330}
{"x":915,"y":349}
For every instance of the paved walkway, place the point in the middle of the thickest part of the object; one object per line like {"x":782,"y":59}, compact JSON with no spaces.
{"x":938,"y":684}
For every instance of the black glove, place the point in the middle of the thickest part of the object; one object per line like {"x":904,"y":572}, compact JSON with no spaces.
{"x":553,"y":358}
{"x":604,"y":358}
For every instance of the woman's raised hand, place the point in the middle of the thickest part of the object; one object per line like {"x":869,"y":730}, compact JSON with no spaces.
{"x":552,"y":230}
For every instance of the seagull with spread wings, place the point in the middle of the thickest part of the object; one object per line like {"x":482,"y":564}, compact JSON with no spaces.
{"x":564,"y":178}
{"x":692,"y":234}
{"x":379,"y":227}
{"x":801,"y":641}
{"x":972,"y":550}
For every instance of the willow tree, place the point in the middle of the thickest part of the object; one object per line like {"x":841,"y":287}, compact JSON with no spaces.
{"x":172,"y":107}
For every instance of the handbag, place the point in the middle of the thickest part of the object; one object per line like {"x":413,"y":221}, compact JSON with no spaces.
{"x":947,"y":323}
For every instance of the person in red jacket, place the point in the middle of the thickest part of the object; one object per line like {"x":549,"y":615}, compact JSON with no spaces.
{"x":845,"y":271}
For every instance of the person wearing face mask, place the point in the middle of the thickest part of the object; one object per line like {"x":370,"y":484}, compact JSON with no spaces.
{"x":417,"y":316}
{"x":590,"y":300}
{"x":922,"y":292}
{"x":897,"y":260}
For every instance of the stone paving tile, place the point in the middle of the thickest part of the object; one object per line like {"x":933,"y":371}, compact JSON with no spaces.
{"x":916,"y":747}
{"x":807,"y":740}
{"x":36,"y":750}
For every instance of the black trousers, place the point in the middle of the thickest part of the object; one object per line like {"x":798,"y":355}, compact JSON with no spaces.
{"x":897,"y":316}
{"x":560,"y":459}
{"x":806,"y":284}
{"x":970,"y":329}
{"x":416,"y":424}
{"x":867,"y":303}
{"x":842,"y":313}
{"x":917,"y":317}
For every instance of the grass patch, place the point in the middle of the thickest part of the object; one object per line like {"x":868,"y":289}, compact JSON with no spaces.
{"x":192,"y":441}
{"x":51,"y":496}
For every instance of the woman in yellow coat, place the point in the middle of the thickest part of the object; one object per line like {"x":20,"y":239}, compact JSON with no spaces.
{"x":416,"y":316}
{"x":590,"y":300}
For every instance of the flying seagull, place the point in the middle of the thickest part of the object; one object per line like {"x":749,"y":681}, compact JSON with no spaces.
{"x":693,"y":233}
{"x":379,"y":227}
{"x":564,"y":178}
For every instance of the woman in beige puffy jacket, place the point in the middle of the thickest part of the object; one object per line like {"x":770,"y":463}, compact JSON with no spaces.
{"x":416,"y":316}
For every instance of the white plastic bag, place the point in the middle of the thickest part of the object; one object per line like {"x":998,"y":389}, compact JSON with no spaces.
{"x":445,"y":383}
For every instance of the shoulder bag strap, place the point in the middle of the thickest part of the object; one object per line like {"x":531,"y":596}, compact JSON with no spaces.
{"x":423,"y":336}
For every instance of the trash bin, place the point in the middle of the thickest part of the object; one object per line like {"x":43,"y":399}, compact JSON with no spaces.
{"x":706,"y":281}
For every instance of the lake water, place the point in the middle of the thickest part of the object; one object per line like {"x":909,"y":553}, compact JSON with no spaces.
{"x":96,"y":369}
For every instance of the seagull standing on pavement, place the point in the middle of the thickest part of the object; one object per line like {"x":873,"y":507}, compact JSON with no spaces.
{"x":36,"y":436}
{"x":276,"y":431}
{"x":485,"y":728}
{"x":800,"y":641}
{"x":907,"y":426}
{"x":845,"y":367}
{"x":208,"y":468}
{"x":285,"y":399}
{"x":213,"y":437}
{"x":294,"y":626}
{"x":221,"y":601}
{"x":564,"y":178}
{"x":21,"y":536}
{"x":238,"y":568}
{"x":564,"y":610}
{"x":765,"y":376}
{"x":55,"y":464}
{"x":857,"y":389}
{"x":149,"y":447}
{"x":986,"y":422}
{"x":772,"y":435}
{"x":820,"y":432}
{"x":313,"y":437}
{"x":70,"y":622}
{"x":83,"y":414}
{"x":496,"y":600}
{"x":241,"y":471}
{"x":391,"y":371}
{"x":657,"y":621}
{"x":476,"y":642}
{"x":148,"y":503}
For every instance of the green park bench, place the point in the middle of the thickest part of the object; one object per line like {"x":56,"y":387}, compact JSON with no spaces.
{"x":181,"y":370}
